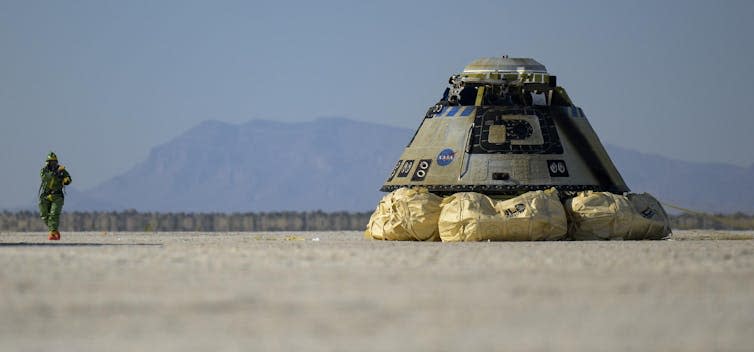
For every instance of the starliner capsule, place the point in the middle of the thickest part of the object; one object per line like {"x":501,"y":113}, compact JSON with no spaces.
{"x":504,"y":127}
{"x":505,"y":155}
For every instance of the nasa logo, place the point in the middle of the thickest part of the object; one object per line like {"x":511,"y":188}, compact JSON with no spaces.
{"x":446,"y":157}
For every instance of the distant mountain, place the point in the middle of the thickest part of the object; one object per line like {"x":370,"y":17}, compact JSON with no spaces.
{"x":710,"y":187}
{"x":330,"y":164}
{"x":336,"y":164}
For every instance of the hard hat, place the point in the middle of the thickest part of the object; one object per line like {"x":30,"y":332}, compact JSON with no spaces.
{"x":52,"y":156}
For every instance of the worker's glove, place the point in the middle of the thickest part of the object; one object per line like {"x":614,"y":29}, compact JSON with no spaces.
{"x":66,"y":181}
{"x":59,"y":172}
{"x":49,"y":197}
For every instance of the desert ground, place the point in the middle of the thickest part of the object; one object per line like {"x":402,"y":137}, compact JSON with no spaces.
{"x":335,"y":291}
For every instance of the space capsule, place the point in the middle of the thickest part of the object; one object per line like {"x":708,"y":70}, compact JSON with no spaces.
{"x":504,"y":127}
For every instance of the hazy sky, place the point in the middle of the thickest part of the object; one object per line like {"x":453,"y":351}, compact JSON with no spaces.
{"x":102,"y":82}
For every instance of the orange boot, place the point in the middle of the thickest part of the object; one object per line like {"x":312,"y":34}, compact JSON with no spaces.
{"x":51,"y":237}
{"x":56,"y":235}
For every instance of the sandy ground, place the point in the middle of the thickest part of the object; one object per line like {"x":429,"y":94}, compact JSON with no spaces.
{"x":291,"y":292}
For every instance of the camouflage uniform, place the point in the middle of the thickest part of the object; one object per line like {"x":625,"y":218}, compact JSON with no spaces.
{"x":51,"y":197}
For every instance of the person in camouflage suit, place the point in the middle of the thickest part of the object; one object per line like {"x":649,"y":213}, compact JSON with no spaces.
{"x":51,"y":196}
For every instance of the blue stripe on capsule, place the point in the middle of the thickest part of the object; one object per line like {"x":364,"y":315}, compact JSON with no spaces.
{"x":453,"y":111}
{"x":467,"y":111}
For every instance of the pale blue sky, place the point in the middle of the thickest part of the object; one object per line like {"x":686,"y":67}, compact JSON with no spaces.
{"x":102,"y":82}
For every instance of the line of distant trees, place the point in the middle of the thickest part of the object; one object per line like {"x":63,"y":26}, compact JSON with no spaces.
{"x":131,"y":220}
{"x":737,"y":221}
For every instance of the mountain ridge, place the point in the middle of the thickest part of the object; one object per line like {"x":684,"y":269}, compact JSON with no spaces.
{"x":338,"y":164}
{"x":709,"y":187}
{"x":261,"y":165}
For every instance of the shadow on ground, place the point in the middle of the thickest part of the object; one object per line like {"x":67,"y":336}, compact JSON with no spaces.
{"x":41,"y":244}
